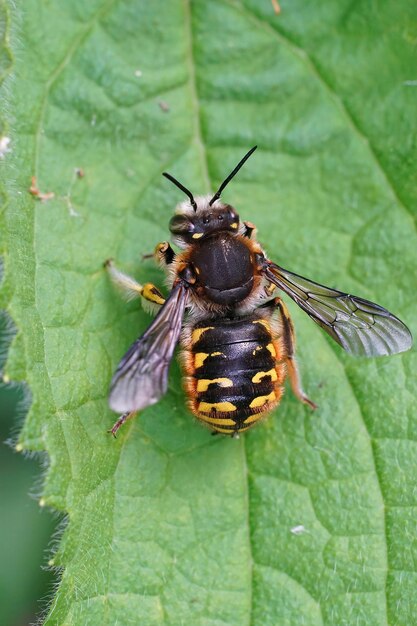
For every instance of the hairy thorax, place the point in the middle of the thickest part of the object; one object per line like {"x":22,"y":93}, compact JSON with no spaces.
{"x":224,"y":267}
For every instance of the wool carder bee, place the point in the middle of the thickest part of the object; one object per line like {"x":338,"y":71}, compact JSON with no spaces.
{"x":236,"y":335}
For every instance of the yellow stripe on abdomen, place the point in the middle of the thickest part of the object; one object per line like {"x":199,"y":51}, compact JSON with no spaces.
{"x":261,"y":400}
{"x":198,"y":332}
{"x":222,"y":407}
{"x":260,"y":375}
{"x":217,"y":421}
{"x":204,"y":383}
{"x":199,"y":358}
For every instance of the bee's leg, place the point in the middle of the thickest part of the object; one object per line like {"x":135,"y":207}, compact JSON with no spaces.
{"x":288,"y":336}
{"x":151,"y":297}
{"x":163,"y":253}
{"x":249,"y":229}
{"x":118,"y":423}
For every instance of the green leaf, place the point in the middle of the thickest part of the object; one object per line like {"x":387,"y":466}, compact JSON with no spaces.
{"x":310,"y":518}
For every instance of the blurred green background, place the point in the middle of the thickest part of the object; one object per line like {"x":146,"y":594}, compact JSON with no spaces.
{"x":25,"y":528}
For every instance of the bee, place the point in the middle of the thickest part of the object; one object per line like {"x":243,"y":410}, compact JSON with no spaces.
{"x":236,"y":335}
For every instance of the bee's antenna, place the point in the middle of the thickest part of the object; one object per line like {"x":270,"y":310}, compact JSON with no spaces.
{"x":229,"y":178}
{"x":184,"y":189}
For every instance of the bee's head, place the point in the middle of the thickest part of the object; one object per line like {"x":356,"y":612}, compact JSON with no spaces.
{"x":204,"y":215}
{"x":189,"y":225}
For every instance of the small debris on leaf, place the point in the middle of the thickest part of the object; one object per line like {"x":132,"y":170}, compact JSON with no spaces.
{"x":44,"y":197}
{"x":78,"y":172}
{"x":4,"y":146}
{"x":277,"y":8}
{"x":164,"y":106}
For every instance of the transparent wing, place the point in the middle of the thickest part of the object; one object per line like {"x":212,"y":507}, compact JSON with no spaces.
{"x":361,"y":327}
{"x":141,"y":378}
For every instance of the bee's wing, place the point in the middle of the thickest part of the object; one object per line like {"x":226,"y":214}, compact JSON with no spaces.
{"x":359,"y":326}
{"x":142,"y":375}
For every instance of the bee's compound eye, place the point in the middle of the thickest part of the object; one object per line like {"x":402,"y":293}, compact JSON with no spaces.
{"x":180,"y":225}
{"x":232,"y":218}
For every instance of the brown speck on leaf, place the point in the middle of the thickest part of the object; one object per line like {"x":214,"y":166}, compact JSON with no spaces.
{"x":79,"y":172}
{"x":164,"y":106}
{"x":276,"y":7}
{"x":44,"y":197}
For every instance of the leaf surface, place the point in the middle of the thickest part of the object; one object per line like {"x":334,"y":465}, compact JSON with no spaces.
{"x":310,"y":518}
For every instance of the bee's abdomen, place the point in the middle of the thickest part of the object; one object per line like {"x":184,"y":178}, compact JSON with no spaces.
{"x":235,"y":372}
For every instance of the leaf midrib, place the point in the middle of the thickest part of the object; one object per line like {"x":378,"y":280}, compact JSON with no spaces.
{"x":203,"y":158}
